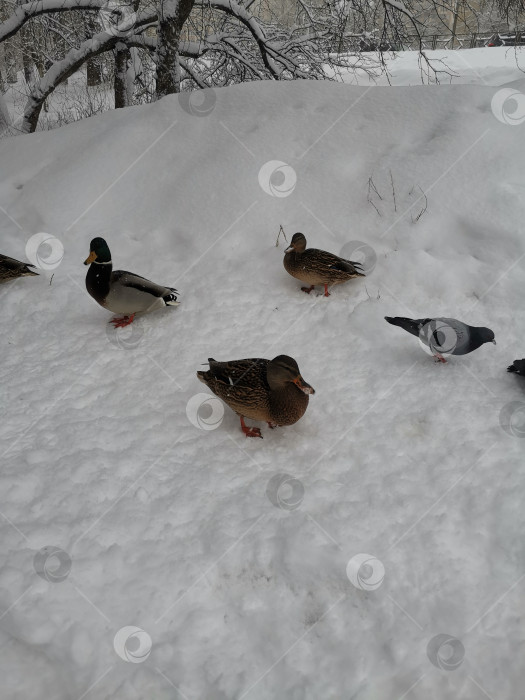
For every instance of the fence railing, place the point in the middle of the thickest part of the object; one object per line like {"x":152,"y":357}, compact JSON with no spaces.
{"x":434,"y":41}
{"x":447,"y":41}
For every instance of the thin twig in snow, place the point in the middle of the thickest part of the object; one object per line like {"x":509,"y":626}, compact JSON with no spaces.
{"x":281,"y":230}
{"x":393,"y":190}
{"x":422,"y":210}
{"x":371,"y":185}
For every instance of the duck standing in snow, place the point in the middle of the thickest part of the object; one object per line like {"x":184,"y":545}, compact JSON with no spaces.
{"x":10,"y":269}
{"x":315,"y":266}
{"x":264,"y":390}
{"x":517,"y":366}
{"x":123,"y":292}
{"x":445,"y":336}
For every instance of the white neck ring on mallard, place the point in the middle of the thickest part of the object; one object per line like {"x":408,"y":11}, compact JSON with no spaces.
{"x":98,"y":262}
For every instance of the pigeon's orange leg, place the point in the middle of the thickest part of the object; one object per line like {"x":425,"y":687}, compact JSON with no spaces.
{"x":308,"y":289}
{"x":122,"y":321}
{"x":249,"y":432}
{"x":439,"y":358}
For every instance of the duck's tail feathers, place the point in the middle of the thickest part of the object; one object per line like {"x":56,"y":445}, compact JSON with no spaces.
{"x":171,"y":298}
{"x":517,"y":366}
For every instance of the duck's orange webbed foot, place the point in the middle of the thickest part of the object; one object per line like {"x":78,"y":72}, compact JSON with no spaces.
{"x":123,"y":321}
{"x":250,"y":432}
{"x":326,"y":292}
{"x":439,"y":358}
{"x":308,"y":289}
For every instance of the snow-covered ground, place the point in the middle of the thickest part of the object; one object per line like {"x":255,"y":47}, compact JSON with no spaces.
{"x":484,"y":66}
{"x":242,"y":588}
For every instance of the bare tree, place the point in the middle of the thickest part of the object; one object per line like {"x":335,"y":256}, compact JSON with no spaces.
{"x":192,"y":44}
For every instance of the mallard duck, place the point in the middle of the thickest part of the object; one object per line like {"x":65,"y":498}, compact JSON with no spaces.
{"x":10,"y":269}
{"x":445,"y":336}
{"x":123,"y":292}
{"x":517,"y":366}
{"x":265,"y":390}
{"x":317,"y":266}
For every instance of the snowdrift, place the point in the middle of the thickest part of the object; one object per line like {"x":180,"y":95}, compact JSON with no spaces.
{"x":175,"y":532}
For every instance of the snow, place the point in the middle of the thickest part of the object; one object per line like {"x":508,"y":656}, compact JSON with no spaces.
{"x":482,"y":66}
{"x":234,"y":582}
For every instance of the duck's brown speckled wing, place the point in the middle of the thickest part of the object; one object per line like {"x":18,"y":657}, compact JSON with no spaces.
{"x":242,"y":373}
{"x":242,"y":384}
{"x":325,"y":262}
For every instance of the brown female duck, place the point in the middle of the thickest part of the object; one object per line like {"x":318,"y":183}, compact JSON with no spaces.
{"x":10,"y":269}
{"x":265,"y":390}
{"x":317,"y":266}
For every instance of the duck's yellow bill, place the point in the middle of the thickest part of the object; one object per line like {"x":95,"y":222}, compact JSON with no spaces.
{"x":91,"y":258}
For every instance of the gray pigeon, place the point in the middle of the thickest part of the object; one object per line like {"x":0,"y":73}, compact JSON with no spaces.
{"x":445,"y":336}
{"x":517,"y":366}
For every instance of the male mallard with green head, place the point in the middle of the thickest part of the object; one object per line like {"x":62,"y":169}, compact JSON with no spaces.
{"x":265,"y":390}
{"x":315,"y":266}
{"x":10,"y":269}
{"x":123,"y":292}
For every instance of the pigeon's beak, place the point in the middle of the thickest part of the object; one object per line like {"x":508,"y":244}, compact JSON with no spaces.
{"x":289,"y":249}
{"x":91,"y":258}
{"x":494,"y":341}
{"x":303,"y":386}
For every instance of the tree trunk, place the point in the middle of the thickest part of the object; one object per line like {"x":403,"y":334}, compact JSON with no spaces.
{"x":93,"y":72}
{"x":122,"y":60}
{"x":2,"y":69}
{"x":93,"y":66}
{"x":172,"y":16}
{"x":25,"y":43}
{"x":4,"y":115}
